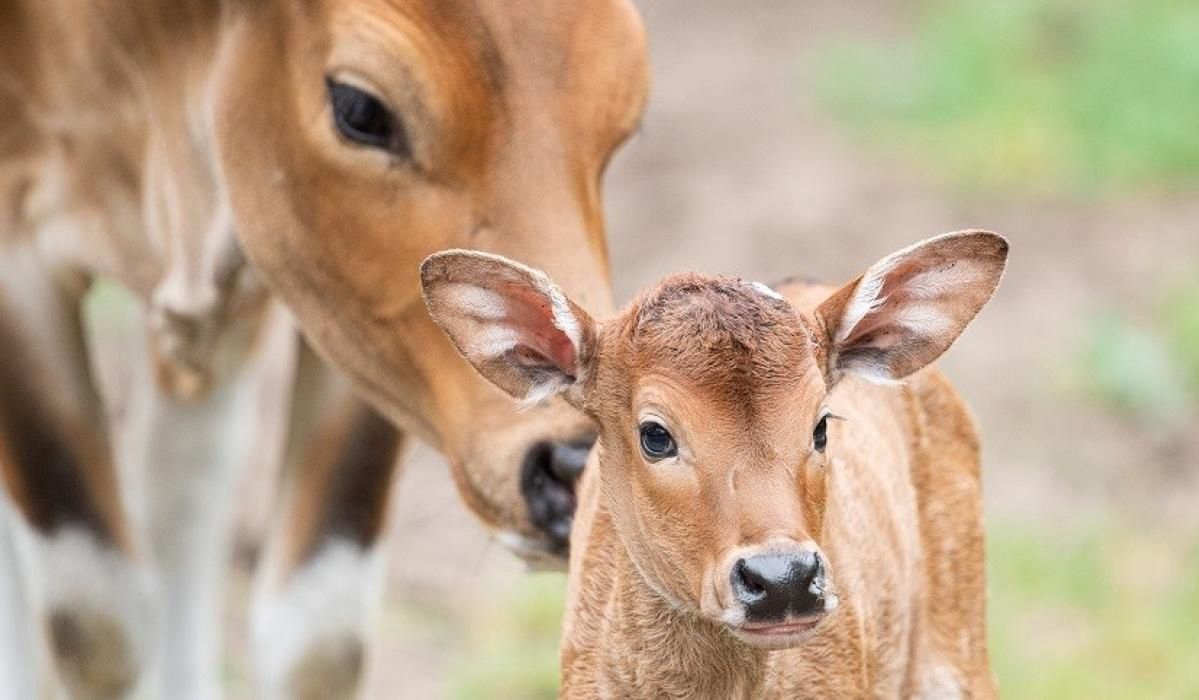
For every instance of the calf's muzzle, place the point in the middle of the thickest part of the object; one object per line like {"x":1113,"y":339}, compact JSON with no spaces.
{"x":778,"y":586}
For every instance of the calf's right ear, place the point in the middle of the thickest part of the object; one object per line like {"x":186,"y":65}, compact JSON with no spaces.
{"x":511,"y":322}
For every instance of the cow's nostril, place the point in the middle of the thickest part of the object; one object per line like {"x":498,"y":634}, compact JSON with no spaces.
{"x":548,"y":476}
{"x":568,"y":459}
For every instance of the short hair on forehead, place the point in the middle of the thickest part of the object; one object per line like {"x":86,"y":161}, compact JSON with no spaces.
{"x":722,"y":332}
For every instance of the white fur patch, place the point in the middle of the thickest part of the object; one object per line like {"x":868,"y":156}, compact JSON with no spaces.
{"x":564,"y":318}
{"x":333,"y":596}
{"x":923,"y":319}
{"x":72,"y":570}
{"x":865,"y":299}
{"x":935,"y":283}
{"x":541,"y":392}
{"x":940,"y":682}
{"x":491,"y":341}
{"x":766,"y":290}
{"x":481,"y":303}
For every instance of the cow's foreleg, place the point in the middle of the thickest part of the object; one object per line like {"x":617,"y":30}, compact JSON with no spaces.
{"x":88,"y":584}
{"x":19,"y":662}
{"x":322,"y":575}
{"x":189,"y":453}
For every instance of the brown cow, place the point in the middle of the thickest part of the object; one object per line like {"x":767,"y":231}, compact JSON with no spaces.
{"x":216,"y":157}
{"x":769,"y":512}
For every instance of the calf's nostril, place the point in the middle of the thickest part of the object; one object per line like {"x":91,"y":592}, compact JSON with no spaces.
{"x":750,"y":581}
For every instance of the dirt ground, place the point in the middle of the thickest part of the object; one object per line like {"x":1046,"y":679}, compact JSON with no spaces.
{"x":736,"y":171}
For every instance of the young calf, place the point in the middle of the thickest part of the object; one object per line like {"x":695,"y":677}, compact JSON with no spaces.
{"x":769,"y":511}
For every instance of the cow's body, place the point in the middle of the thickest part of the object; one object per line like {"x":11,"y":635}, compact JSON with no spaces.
{"x":128,"y":151}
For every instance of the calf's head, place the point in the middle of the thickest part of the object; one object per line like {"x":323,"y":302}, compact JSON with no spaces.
{"x":356,"y":137}
{"x":712,"y":397}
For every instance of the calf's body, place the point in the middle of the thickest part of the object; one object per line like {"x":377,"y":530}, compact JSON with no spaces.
{"x":771,"y":510}
{"x":904,"y":531}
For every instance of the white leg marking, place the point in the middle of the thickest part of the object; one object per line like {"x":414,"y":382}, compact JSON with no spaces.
{"x":183,"y":461}
{"x":19,"y":657}
{"x":87,"y":591}
{"x":333,"y":597}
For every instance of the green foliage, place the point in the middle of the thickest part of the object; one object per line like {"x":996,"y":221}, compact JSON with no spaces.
{"x":1104,"y":615}
{"x":1148,"y":369}
{"x":1031,"y":94}
{"x":513,"y":645}
{"x":1129,"y":367}
{"x":1180,"y":315}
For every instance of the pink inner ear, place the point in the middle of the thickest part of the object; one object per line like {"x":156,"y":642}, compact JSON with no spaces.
{"x":531,"y":315}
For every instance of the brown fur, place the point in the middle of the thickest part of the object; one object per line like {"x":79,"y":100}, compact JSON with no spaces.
{"x":164,"y":115}
{"x":185,"y":149}
{"x":740,"y":378}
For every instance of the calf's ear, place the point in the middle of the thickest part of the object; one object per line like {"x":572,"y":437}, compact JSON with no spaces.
{"x":908,"y":308}
{"x":510,"y":321}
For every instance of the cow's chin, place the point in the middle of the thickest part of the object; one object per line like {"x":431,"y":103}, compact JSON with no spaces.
{"x":537,"y":553}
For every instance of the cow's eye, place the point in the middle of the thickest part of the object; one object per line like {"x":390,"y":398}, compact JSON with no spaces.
{"x":820,"y":434}
{"x":656,"y":442}
{"x":360,"y":117}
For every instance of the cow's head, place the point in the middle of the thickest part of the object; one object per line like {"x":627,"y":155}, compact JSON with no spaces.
{"x":357,"y":137}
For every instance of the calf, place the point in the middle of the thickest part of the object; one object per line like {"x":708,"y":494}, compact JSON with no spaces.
{"x":772,"y":510}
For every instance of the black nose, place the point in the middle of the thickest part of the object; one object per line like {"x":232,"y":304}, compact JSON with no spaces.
{"x":547,"y":482}
{"x":778,"y":586}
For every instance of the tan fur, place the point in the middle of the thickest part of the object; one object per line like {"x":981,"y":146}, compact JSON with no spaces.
{"x":186,"y":150}
{"x":140,"y":137}
{"x":740,"y":378}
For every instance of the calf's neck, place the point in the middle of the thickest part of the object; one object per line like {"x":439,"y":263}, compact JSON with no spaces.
{"x":784,"y":499}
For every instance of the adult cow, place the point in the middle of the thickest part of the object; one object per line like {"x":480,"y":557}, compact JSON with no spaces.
{"x":214,"y":157}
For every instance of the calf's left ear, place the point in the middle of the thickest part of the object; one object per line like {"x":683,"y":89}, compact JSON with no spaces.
{"x":908,"y":308}
{"x":511,"y":322}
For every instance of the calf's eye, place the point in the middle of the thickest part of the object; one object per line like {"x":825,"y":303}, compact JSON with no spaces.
{"x":657,"y":442}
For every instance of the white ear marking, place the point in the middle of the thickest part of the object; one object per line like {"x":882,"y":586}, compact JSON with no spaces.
{"x":865,"y":299}
{"x":923,"y":319}
{"x":931,"y":284}
{"x":564,"y":320}
{"x":491,"y":342}
{"x":482,"y":303}
{"x":540,"y":392}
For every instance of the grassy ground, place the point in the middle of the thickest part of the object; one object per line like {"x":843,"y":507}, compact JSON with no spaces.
{"x":1027,"y":93}
{"x":1103,"y":614}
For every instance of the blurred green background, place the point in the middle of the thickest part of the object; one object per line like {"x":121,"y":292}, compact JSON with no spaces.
{"x":1054,"y":110}
{"x":815,"y":137}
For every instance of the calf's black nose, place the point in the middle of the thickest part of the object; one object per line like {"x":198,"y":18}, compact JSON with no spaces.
{"x":778,"y":586}
{"x":547,"y":482}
